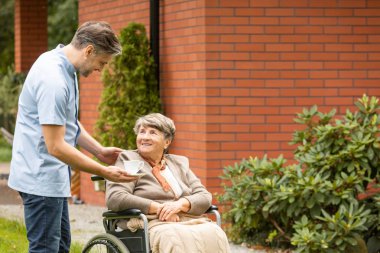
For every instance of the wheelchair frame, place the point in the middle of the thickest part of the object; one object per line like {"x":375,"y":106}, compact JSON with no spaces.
{"x":126,"y":241}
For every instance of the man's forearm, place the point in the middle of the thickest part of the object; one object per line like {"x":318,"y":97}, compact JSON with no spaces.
{"x":76,"y":159}
{"x":87,"y":142}
{"x":59,"y":148}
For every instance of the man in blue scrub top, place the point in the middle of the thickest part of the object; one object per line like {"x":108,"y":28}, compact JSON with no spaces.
{"x":47,"y":131}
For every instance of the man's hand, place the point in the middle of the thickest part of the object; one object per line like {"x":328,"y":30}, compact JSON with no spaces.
{"x":108,"y":155}
{"x":116,"y":174}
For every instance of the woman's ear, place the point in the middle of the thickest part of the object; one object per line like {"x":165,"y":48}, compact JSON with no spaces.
{"x":167,"y":143}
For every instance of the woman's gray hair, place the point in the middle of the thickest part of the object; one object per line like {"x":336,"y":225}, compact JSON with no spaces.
{"x":157,"y":121}
{"x":100,"y":35}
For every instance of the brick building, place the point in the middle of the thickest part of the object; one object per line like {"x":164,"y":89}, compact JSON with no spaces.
{"x":234,"y":73}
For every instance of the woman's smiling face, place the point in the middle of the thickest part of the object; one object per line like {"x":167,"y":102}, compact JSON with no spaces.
{"x":151,"y":141}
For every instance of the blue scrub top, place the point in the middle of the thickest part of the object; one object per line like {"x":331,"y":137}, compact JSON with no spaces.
{"x":49,"y":97}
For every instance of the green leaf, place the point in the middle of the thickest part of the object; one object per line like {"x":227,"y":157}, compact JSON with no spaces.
{"x":370,"y":153}
{"x":310,"y":203}
{"x":351,"y":241}
{"x":315,"y":211}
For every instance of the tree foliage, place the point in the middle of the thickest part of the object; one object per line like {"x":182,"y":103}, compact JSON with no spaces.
{"x":130,"y":89}
{"x":62,"y":24}
{"x":10,"y":87}
{"x":6,"y":35}
{"x":317,"y":204}
{"x":62,"y":21}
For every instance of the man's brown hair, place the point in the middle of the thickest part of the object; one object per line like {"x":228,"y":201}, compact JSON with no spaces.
{"x":100,"y":35}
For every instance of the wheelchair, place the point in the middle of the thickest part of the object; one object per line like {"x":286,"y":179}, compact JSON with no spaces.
{"x":115,"y":240}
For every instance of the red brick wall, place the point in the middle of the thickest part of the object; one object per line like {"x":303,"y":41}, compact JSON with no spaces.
{"x":234,"y":91}
{"x":30,"y":32}
{"x":234,"y":73}
{"x":183,"y":80}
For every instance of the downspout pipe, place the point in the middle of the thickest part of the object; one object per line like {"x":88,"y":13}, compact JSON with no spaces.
{"x":155,"y":36}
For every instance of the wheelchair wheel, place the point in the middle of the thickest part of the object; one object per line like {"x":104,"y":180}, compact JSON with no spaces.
{"x":105,"y":243}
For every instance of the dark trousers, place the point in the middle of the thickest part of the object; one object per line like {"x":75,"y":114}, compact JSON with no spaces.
{"x":47,"y":223}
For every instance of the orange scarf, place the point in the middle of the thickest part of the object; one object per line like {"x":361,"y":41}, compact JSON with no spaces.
{"x":156,"y":170}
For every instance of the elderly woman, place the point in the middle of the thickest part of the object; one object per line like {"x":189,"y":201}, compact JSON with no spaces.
{"x":169,"y":190}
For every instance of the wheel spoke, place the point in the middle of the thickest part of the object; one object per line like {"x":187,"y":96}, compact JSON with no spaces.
{"x":105,"y":243}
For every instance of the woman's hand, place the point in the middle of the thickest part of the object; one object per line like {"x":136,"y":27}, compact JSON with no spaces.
{"x":166,"y":210}
{"x":172,"y":218}
{"x":157,"y":208}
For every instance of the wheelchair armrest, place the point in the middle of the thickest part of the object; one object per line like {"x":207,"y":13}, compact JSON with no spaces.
{"x":136,"y":212}
{"x":214,"y":210}
{"x":211,"y":209}
{"x":96,"y":178}
{"x":133,"y":212}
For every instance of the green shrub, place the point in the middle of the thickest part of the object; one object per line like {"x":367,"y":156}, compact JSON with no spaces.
{"x":10,"y":88}
{"x":313,"y":205}
{"x":5,"y":150}
{"x":130,"y":89}
{"x":62,"y":21}
{"x":7,"y":41}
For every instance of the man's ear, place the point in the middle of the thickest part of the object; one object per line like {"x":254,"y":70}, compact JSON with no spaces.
{"x":89,"y":50}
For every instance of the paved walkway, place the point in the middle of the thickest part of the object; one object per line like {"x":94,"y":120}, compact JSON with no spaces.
{"x":85,"y":220}
{"x":4,"y":170}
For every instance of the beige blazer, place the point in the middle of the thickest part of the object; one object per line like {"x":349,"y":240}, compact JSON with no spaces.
{"x":142,"y":192}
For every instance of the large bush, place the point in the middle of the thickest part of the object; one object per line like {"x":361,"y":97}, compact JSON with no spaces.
{"x":10,"y":88}
{"x":62,"y":21}
{"x":130,"y":89}
{"x":6,"y":34}
{"x":314,"y":205}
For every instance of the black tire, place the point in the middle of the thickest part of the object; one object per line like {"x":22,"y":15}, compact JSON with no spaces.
{"x":105,"y":243}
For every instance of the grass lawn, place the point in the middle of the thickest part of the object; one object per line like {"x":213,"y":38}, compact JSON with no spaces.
{"x":13,"y":238}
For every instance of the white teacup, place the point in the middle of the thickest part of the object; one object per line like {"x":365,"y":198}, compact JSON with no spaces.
{"x":133,"y":166}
